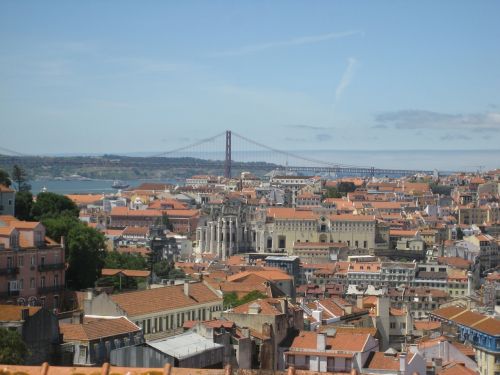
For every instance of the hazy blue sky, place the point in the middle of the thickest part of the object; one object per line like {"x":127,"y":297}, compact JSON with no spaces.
{"x":126,"y":76}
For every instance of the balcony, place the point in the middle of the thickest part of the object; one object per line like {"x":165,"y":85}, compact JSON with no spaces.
{"x":50,"y":267}
{"x":50,"y":289}
{"x":9,"y":271}
{"x":10,"y":293}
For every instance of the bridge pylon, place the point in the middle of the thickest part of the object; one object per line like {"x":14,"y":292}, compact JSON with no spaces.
{"x":227,"y":160}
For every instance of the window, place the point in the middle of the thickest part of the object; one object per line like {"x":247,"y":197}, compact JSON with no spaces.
{"x":42,"y":282}
{"x":393,"y":325}
{"x":32,"y":283}
{"x":20,"y":261}
{"x":32,"y":260}
{"x":307,"y":360}
{"x":9,"y":262}
{"x":56,"y":280}
{"x":291,"y":360}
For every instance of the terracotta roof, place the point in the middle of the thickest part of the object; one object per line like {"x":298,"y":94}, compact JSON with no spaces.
{"x":349,"y":342}
{"x":129,"y":273}
{"x":125,"y":211}
{"x":291,"y":213}
{"x":426,"y":325}
{"x":455,"y":368}
{"x":382,"y":361}
{"x":214,"y":323}
{"x":9,"y":313}
{"x":5,"y":189}
{"x":271,"y":275}
{"x":268,"y":306}
{"x":164,"y":299}
{"x":349,"y":217}
{"x":96,"y":328}
{"x":462,"y":316}
{"x":84,"y":199}
{"x":135,"y":231}
{"x":455,"y":262}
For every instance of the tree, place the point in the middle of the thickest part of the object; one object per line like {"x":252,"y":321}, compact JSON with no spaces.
{"x":57,"y":227}
{"x":85,"y":256}
{"x":20,"y":178}
{"x":24,"y":203}
{"x":332,"y":192}
{"x":53,"y":205}
{"x":345,"y":187}
{"x":4,"y":178}
{"x":162,"y":268}
{"x":164,"y":221}
{"x":12,"y":347}
{"x":114,"y":259}
{"x":232,"y":300}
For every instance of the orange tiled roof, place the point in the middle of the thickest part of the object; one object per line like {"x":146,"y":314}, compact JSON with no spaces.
{"x":129,"y":273}
{"x":349,"y":342}
{"x":426,"y":325}
{"x":164,"y":299}
{"x":381,"y":361}
{"x":9,"y":313}
{"x":83,"y":199}
{"x":94,"y":329}
{"x":268,"y":306}
{"x":271,"y":275}
{"x":290,"y":213}
{"x":5,"y":189}
{"x":455,"y":368}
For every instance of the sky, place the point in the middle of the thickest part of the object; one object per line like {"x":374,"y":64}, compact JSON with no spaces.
{"x":150,"y":76}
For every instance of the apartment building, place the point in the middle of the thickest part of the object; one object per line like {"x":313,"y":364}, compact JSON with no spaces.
{"x":7,"y":200}
{"x":284,"y":228}
{"x":481,"y":331}
{"x":160,"y":312}
{"x":31,"y":265}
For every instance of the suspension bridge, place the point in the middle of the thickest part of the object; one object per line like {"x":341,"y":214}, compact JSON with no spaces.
{"x":249,"y":150}
{"x":229,"y":149}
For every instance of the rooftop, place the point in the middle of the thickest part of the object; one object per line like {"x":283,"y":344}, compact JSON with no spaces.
{"x":184,"y":345}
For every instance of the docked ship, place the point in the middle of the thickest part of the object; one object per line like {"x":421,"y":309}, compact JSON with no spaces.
{"x":119,"y":185}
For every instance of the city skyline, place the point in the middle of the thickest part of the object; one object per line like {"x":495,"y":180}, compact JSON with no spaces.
{"x":107,"y":77}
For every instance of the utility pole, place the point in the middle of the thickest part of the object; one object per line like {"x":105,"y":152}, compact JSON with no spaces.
{"x":227,"y":161}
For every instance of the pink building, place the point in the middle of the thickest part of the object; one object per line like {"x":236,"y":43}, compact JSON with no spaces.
{"x":31,"y":265}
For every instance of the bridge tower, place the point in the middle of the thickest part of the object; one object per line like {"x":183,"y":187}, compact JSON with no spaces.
{"x":227,"y":161}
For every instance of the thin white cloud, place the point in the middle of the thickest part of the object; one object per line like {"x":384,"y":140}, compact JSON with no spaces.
{"x":422,"y":119}
{"x":345,"y":80}
{"x":303,"y":40}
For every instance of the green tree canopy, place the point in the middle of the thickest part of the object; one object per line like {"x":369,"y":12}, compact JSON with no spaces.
{"x":4,"y":178}
{"x":53,"y":205}
{"x":114,"y":259}
{"x":332,"y":192}
{"x":20,"y":178}
{"x":86,"y":252}
{"x":24,"y":203}
{"x":12,"y":347}
{"x":57,"y":227}
{"x":345,"y":187}
{"x":232,"y":300}
{"x":165,"y":269}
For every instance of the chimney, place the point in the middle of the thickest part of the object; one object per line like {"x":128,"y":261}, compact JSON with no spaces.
{"x":359,"y":301}
{"x":186,"y":288}
{"x":321,"y":342}
{"x":469,"y":283}
{"x":402,"y":363}
{"x":318,"y":315}
{"x":245,"y":332}
{"x":87,"y":301}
